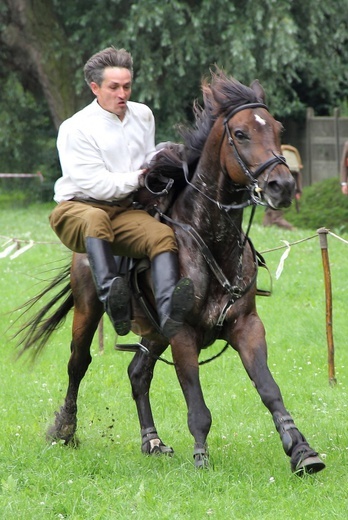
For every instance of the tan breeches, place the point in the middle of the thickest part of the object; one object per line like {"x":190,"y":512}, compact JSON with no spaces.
{"x":132,"y":232}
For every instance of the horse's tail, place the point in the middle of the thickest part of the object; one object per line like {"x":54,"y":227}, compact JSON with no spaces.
{"x":38,"y":329}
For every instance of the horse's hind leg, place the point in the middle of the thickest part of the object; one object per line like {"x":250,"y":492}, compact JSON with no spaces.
{"x":249,"y":341}
{"x":84,"y":326}
{"x":140,"y":372}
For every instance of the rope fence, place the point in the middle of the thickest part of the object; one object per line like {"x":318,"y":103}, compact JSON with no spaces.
{"x":322,"y":234}
{"x":14,"y":244}
{"x":37,"y":175}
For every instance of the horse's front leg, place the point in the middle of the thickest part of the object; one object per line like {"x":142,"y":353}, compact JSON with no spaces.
{"x":84,"y":326}
{"x":140,"y":372}
{"x":185,"y":356}
{"x":249,"y":340}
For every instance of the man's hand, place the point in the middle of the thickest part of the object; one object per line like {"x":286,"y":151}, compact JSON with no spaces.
{"x":178,"y":148}
{"x":142,"y":176}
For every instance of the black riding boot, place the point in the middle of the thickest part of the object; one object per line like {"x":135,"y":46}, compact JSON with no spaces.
{"x":174,"y":299}
{"x":112,"y":289}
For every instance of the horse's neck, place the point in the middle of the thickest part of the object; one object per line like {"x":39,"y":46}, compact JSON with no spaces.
{"x":200,"y":207}
{"x":200,"y":203}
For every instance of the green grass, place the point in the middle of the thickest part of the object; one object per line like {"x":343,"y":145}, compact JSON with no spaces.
{"x":107,"y":477}
{"x":322,"y":204}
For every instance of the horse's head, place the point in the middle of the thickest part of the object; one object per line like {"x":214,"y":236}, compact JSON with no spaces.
{"x":250,"y":152}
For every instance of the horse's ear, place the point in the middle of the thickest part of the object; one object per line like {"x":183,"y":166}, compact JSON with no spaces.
{"x":260,"y":93}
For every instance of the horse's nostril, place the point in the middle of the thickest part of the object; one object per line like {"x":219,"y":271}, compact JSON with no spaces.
{"x":282,"y":186}
{"x":278,"y":188}
{"x":274,"y":186}
{"x":279,"y":192}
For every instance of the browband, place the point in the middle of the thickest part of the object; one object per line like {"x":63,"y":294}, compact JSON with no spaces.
{"x":243,"y":107}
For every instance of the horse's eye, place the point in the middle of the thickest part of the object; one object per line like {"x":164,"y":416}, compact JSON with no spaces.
{"x":240,"y":135}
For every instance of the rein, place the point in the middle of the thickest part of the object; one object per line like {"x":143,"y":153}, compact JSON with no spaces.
{"x":234,"y":291}
{"x":254,"y":200}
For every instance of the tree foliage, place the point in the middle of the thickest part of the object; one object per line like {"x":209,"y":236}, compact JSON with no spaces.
{"x":296,"y":48}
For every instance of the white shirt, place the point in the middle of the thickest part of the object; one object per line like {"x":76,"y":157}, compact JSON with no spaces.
{"x":100,"y":155}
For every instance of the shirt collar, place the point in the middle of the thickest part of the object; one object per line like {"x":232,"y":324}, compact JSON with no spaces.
{"x":110,"y":115}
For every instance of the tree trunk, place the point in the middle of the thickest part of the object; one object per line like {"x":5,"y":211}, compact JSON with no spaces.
{"x":38,"y":46}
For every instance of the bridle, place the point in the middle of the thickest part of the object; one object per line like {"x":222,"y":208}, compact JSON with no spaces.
{"x":254,"y":198}
{"x":267,"y":165}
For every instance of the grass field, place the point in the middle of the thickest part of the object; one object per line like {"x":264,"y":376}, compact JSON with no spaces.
{"x":107,"y":477}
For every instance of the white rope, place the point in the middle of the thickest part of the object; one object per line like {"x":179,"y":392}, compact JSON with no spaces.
{"x":282,"y":259}
{"x":22,"y":250}
{"x":8,"y":250}
{"x":7,"y":242}
{"x":16,"y":243}
{"x":336,"y":236}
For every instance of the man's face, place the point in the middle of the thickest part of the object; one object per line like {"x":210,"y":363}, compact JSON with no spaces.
{"x":114,"y":91}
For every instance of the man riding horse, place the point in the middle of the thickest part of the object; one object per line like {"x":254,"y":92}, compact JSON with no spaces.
{"x":102,"y":149}
{"x":232,"y":161}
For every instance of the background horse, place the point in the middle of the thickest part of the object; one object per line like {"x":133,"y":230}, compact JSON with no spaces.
{"x":230,"y":159}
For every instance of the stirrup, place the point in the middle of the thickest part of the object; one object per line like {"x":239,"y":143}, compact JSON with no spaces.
{"x":132,"y":347}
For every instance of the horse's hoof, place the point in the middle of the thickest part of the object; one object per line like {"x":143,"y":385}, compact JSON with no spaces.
{"x":201,"y":461}
{"x":156,"y":447}
{"x":72,"y":441}
{"x":201,"y":457}
{"x":308,"y":466}
{"x":152,"y":444}
{"x":62,"y":434}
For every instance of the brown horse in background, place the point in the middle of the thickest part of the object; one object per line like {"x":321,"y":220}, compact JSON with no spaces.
{"x":230,"y":159}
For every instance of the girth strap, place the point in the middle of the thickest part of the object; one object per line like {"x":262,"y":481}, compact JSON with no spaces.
{"x":234,"y":291}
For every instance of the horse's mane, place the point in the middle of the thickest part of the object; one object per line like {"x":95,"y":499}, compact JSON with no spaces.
{"x":220,"y":96}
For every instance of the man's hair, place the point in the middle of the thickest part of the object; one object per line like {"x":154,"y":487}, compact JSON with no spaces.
{"x":109,"y":57}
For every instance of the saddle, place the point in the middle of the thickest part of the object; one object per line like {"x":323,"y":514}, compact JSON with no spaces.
{"x":134,"y":271}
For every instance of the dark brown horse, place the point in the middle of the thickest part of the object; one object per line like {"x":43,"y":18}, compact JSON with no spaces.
{"x":230,"y":159}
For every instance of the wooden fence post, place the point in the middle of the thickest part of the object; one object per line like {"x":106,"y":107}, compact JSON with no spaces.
{"x":322,"y":232}
{"x":101,"y":335}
